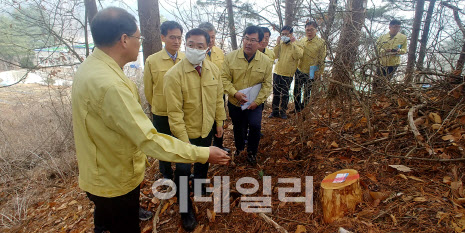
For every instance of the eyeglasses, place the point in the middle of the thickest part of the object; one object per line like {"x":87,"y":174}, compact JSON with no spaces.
{"x":141,"y":38}
{"x":247,"y":39}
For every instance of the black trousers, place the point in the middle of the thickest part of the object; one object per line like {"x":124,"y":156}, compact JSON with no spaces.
{"x":281,"y":86}
{"x":302,"y":84}
{"x":243,"y":120}
{"x":117,"y":214}
{"x":383,"y":71}
{"x":162,"y":125}
{"x":200,"y":170}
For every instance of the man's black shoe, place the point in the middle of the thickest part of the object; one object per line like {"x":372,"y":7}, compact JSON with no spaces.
{"x":273,"y":115}
{"x":144,"y":215}
{"x":252,"y":158}
{"x":188,"y":220}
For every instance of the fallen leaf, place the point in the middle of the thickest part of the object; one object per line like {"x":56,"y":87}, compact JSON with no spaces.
{"x":211,"y":215}
{"x":419,"y":199}
{"x":380,"y":195}
{"x":403,"y":176}
{"x":147,"y":229}
{"x":164,"y":208}
{"x":419,"y":121}
{"x":309,"y":144}
{"x":300,"y":229}
{"x":334,"y":144}
{"x":457,"y":188}
{"x":448,"y":137}
{"x":348,"y":126}
{"x":415,"y":178}
{"x":441,"y":215}
{"x":447,"y":179}
{"x":401,"y":102}
{"x":63,"y":206}
{"x":385,"y":135}
{"x":460,"y":201}
{"x":73,"y":202}
{"x":293,"y":139}
{"x":356,"y":149}
{"x":372,"y":177}
{"x":199,"y":229}
{"x":401,"y":168}
{"x":435,"y":117}
{"x":435,"y":126}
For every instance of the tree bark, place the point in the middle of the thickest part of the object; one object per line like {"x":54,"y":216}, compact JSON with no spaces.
{"x":347,"y":49}
{"x":414,"y":41}
{"x":461,"y":60}
{"x":91,"y":9}
{"x":424,"y":36}
{"x":90,"y":12}
{"x":329,"y":22}
{"x":289,"y":12}
{"x":232,"y":28}
{"x":149,"y":18}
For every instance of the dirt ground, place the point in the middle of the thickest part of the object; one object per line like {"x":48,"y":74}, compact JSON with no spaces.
{"x":427,"y":197}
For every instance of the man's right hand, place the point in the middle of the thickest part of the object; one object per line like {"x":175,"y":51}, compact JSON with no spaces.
{"x":241,"y":97}
{"x":218,"y":156}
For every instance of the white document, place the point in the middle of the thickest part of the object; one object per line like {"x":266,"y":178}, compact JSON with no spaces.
{"x":251,"y":93}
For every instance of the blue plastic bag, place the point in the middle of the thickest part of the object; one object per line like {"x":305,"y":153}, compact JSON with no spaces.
{"x":312,"y":71}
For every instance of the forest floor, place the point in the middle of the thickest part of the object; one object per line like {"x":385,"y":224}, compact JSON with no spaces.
{"x":426,"y":195}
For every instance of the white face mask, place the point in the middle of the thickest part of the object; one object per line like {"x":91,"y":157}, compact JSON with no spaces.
{"x":285,"y":39}
{"x":195,"y":56}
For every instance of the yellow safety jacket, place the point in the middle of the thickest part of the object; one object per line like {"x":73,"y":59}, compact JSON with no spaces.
{"x":385,"y":44}
{"x":156,"y":66}
{"x":194,"y":102}
{"x":288,"y":56}
{"x":112,"y":133}
{"x":314,"y":54}
{"x":239,"y":74}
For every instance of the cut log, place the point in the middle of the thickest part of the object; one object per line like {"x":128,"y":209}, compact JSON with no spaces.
{"x":341,"y":193}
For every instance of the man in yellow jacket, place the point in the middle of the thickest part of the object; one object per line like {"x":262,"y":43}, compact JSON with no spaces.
{"x":244,"y":68}
{"x":311,"y":65}
{"x":216,"y":56}
{"x":288,"y":52}
{"x":390,"y":46}
{"x":111,"y":131}
{"x":194,"y":95}
{"x":156,"y":66}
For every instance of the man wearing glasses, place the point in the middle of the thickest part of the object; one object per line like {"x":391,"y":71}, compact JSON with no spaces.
{"x":155,"y":68}
{"x":311,"y":65}
{"x":288,"y":52}
{"x":244,"y":68}
{"x":390,"y":46}
{"x":113,"y":136}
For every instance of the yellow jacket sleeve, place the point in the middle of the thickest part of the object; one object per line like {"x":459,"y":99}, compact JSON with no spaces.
{"x":173,"y":95}
{"x":226,"y":78}
{"x":148,"y":82}
{"x":124,"y":115}
{"x":220,"y":114}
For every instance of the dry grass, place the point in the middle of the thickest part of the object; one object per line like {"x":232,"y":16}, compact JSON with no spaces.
{"x":36,"y":146}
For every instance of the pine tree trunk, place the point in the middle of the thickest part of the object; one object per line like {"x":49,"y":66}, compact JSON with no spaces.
{"x":149,"y":18}
{"x":414,"y":41}
{"x":330,"y":20}
{"x":424,"y":36}
{"x":347,"y":49}
{"x":232,"y":28}
{"x":289,"y":12}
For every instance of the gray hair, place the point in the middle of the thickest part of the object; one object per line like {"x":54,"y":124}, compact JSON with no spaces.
{"x":208,"y":27}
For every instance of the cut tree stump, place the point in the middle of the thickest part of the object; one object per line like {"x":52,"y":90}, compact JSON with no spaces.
{"x":340,"y":197}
